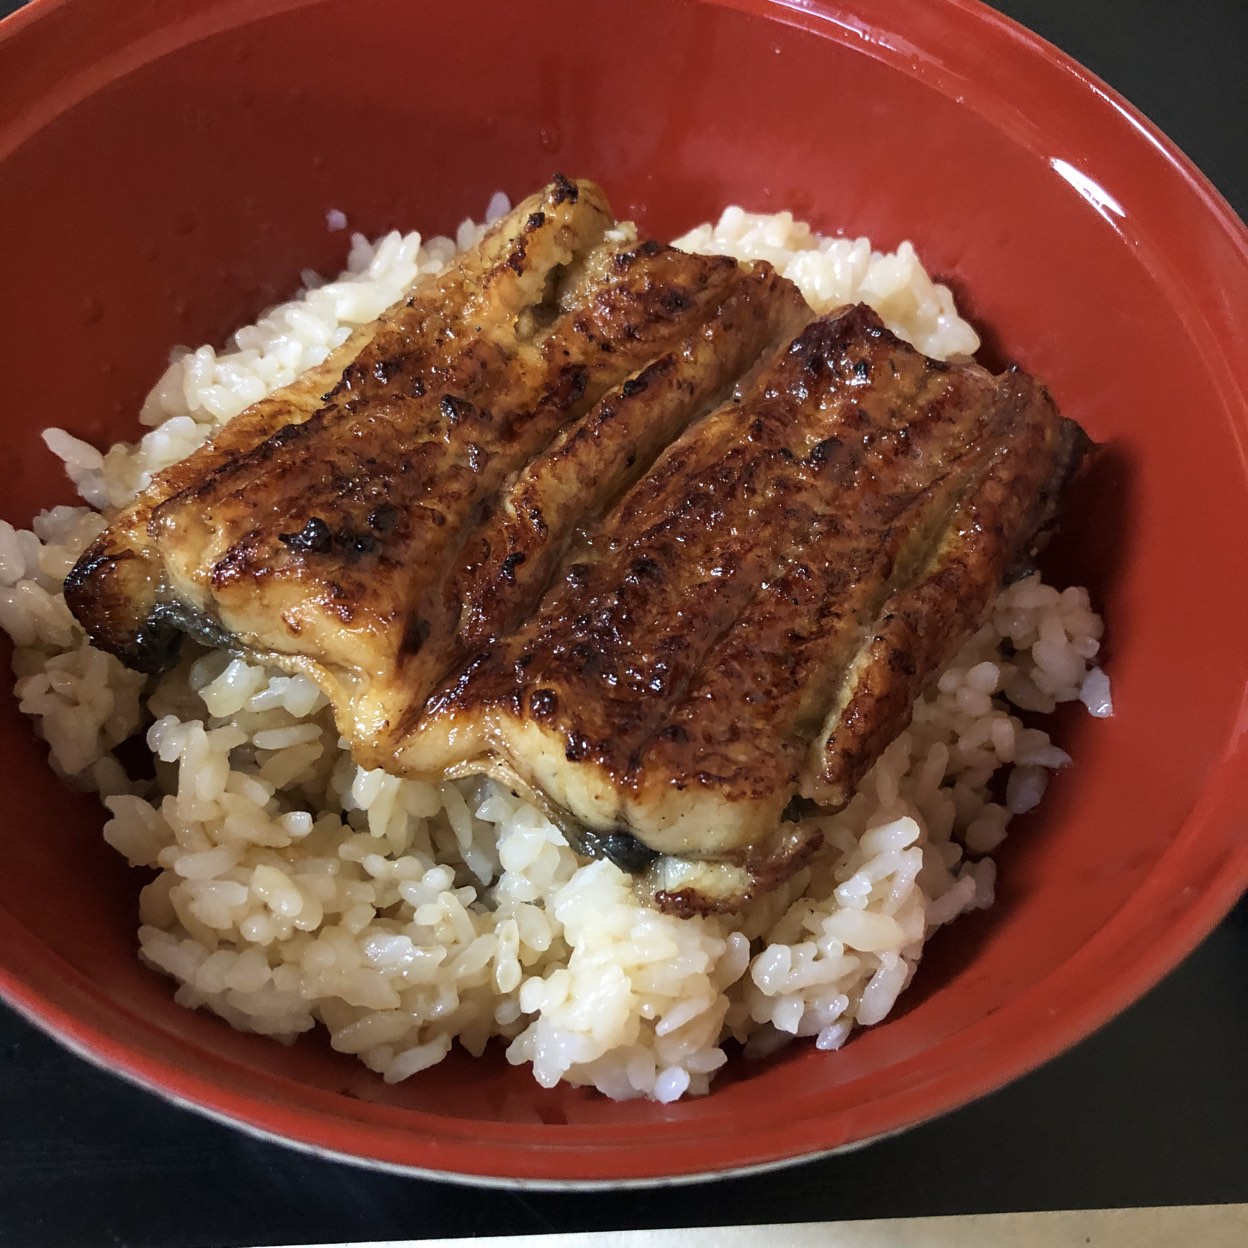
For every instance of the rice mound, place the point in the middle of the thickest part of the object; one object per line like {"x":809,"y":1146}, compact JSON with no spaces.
{"x":293,"y":887}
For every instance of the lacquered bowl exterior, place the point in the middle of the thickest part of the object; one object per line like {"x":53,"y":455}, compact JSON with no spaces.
{"x":165,"y":170}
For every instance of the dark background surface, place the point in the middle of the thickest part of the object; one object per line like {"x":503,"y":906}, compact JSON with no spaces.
{"x":1150,"y":1111}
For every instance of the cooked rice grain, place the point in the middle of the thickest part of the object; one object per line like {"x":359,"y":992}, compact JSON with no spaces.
{"x":292,"y":888}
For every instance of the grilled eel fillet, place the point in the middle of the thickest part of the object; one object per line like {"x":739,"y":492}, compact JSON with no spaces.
{"x":621,"y":525}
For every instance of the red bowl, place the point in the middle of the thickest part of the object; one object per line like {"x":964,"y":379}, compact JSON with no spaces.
{"x":165,"y":172}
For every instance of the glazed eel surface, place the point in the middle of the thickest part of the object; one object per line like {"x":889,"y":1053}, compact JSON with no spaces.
{"x":625,"y":527}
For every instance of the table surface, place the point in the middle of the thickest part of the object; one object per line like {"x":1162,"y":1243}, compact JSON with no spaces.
{"x":1150,"y":1111}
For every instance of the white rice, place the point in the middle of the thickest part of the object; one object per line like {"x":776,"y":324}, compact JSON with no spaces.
{"x":292,"y":887}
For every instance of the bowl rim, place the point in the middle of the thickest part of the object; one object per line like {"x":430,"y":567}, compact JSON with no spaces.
{"x":580,"y":1157}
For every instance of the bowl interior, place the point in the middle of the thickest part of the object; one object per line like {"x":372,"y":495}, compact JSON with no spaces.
{"x":175,"y":180}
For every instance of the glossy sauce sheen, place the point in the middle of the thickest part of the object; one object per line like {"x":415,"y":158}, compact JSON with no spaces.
{"x":619,"y":524}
